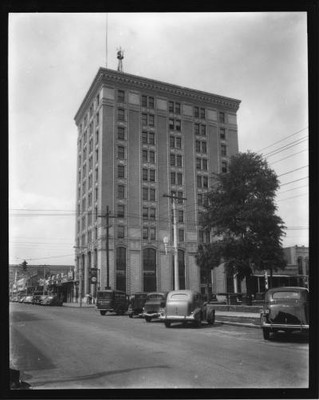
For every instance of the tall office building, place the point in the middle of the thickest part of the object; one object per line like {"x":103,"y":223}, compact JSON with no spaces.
{"x":139,"y":141}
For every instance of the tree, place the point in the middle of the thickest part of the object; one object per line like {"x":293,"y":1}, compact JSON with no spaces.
{"x":241,"y":215}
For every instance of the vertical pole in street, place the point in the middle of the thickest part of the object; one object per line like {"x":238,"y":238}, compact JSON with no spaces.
{"x":176,"y":280}
{"x":107,"y":249}
{"x":176,"y":269}
{"x":80,"y":280}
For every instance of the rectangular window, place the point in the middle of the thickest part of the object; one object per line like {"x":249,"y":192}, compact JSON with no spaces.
{"x":172,"y":159}
{"x":145,"y":174}
{"x":202,"y":113}
{"x":145,"y":213}
{"x":222,"y":133}
{"x":204,"y":165}
{"x":120,"y":96}
{"x":177,"y":108}
{"x":144,"y":153}
{"x":96,"y":174}
{"x":171,"y":124}
{"x":121,"y":191}
{"x":197,"y":146}
{"x":180,"y":216}
{"x":152,"y":213}
{"x":120,"y":171}
{"x":223,"y":150}
{"x":204,"y":147}
{"x":180,"y":197}
{"x":144,"y":119}
{"x":151,"y":138}
{"x":145,"y":233}
{"x":179,"y":160}
{"x":144,"y":137}
{"x":152,"y":157}
{"x":121,"y":114}
{"x":145,"y":193}
{"x":181,"y":235}
{"x":120,"y":210}
{"x":199,"y":181}
{"x":120,"y":133}
{"x":172,"y":142}
{"x":151,"y":102}
{"x":224,"y":166}
{"x":120,"y":232}
{"x":173,"y":176}
{"x":152,"y":194}
{"x":196,"y":112}
{"x":178,"y":143}
{"x":151,"y":120}
{"x":171,"y":106}
{"x":198,"y":163}
{"x":152,"y":234}
{"x":203,"y":130}
{"x":222,"y":117}
{"x":96,"y":137}
{"x":120,"y":152}
{"x":97,"y":118}
{"x":178,"y":125}
{"x":179,"y":178}
{"x":144,"y":101}
{"x":196,"y":129}
{"x":205,"y":181}
{"x":152,"y":175}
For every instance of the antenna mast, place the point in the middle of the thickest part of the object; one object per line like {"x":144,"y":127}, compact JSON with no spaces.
{"x":106,"y":40}
{"x":120,"y":56}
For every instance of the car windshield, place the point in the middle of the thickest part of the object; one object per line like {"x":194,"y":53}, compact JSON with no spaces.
{"x":286,"y":295}
{"x":104,"y":295}
{"x":155,"y":297}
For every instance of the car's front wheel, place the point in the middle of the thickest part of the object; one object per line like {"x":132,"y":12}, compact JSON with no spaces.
{"x":266,"y":333}
{"x":148,"y":319}
{"x":167,"y":324}
{"x":102,"y":312}
{"x":198,"y":323}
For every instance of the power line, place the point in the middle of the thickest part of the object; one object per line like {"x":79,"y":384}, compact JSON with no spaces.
{"x":287,"y":137}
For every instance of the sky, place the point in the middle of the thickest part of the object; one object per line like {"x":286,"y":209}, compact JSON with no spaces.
{"x":259,"y":58}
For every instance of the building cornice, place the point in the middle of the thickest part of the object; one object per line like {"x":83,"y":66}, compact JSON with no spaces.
{"x":107,"y":76}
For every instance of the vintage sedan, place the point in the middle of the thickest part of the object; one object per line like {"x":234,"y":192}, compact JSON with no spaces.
{"x":137,"y":301}
{"x":285,"y":309}
{"x":154,"y":305}
{"x":187,"y":306}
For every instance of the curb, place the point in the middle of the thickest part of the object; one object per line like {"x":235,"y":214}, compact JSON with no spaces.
{"x":243,"y":324}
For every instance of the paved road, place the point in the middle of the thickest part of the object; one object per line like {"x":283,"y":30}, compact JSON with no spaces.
{"x":72,"y":348}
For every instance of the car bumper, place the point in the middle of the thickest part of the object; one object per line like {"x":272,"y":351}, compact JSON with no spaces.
{"x":265,"y":324}
{"x":178,"y":317}
{"x":151,"y":315}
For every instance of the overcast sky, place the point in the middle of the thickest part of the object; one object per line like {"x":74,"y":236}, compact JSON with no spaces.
{"x":258,"y":58}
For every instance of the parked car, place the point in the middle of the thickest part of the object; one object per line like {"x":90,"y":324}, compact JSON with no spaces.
{"x":137,"y":301}
{"x":28,"y":299}
{"x":112,"y":301}
{"x":154,"y":305}
{"x":37,"y":298}
{"x":285,"y":309}
{"x":51,"y":300}
{"x":187,"y":306}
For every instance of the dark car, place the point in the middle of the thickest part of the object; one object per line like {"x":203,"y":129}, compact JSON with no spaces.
{"x":285,"y":309}
{"x":137,"y":301}
{"x":154,"y":305}
{"x":51,"y":300}
{"x":112,"y":301}
{"x":187,"y":306}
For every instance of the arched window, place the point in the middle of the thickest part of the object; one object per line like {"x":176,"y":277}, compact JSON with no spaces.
{"x":121,"y":268}
{"x":149,"y":270}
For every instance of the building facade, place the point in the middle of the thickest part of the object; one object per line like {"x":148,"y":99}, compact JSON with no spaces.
{"x":139,"y":141}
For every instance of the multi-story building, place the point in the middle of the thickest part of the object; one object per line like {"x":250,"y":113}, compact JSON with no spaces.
{"x":140,"y":140}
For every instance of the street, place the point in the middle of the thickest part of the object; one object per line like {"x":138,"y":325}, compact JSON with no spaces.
{"x":77,"y":348}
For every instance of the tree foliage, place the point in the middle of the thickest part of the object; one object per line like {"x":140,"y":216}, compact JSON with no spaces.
{"x":241,"y":215}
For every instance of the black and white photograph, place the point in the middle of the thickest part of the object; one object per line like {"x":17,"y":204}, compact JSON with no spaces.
{"x":158,"y":200}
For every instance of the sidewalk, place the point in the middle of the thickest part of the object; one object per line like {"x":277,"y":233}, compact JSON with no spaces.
{"x":237,"y":318}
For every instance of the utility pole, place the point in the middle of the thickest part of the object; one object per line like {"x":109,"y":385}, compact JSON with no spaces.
{"x":107,"y":216}
{"x":176,"y":274}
